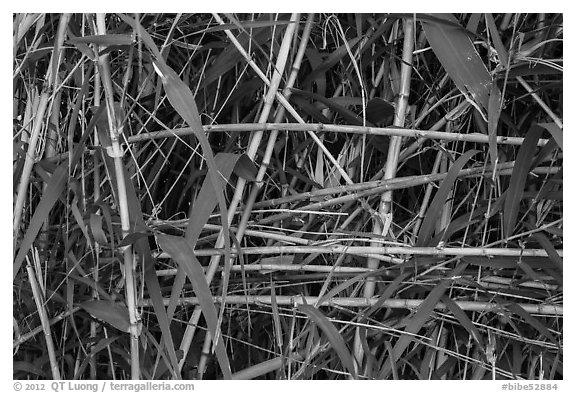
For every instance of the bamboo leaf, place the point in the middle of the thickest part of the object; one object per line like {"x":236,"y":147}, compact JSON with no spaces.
{"x":435,"y":208}
{"x":245,"y":168}
{"x":550,"y":250}
{"x":332,"y":59}
{"x":378,"y":110}
{"x":333,"y":335}
{"x":96,"y":229}
{"x":495,"y":35}
{"x":181,"y":251}
{"x":459,"y":57}
{"x":494,"y":110}
{"x":425,"y":311}
{"x":350,"y":116}
{"x":54,"y":189}
{"x":116,"y":314}
{"x":104,"y":39}
{"x":102,"y":344}
{"x":132,"y":238}
{"x":530,"y":320}
{"x":461,"y":316}
{"x":555,"y":131}
{"x":515,"y":190}
{"x":201,"y":209}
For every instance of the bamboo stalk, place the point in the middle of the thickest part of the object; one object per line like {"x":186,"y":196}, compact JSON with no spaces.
{"x":412,"y":304}
{"x":348,"y":198}
{"x":264,"y":268}
{"x":40,"y":306}
{"x":378,"y":251}
{"x":319,"y":127}
{"x":129,"y":258}
{"x":32,"y":333}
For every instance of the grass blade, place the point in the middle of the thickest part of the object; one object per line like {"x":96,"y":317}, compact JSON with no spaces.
{"x":425,"y":311}
{"x":333,"y":335}
{"x":116,"y":314}
{"x":179,"y":249}
{"x":459,"y":57}
{"x":515,"y":190}
{"x":556,"y":133}
{"x":429,"y":222}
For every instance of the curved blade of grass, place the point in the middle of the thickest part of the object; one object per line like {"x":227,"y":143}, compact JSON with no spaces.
{"x":345,"y":284}
{"x":182,"y":100}
{"x":333,"y":335}
{"x":530,"y":320}
{"x":116,"y":314}
{"x":244,"y":167}
{"x":29,"y":368}
{"x":202,"y":207}
{"x":332,"y":59}
{"x":555,"y":131}
{"x":459,"y":57}
{"x":53,"y":190}
{"x":97,"y":230}
{"x":179,"y":249}
{"x":205,"y":203}
{"x":102,"y":344}
{"x":550,"y":250}
{"x":425,"y":311}
{"x":309,"y":109}
{"x":350,"y":116}
{"x":461,"y":316}
{"x":429,"y":222}
{"x":515,"y":190}
{"x":495,"y":35}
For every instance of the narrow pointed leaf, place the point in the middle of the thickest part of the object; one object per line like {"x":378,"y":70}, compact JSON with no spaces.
{"x":105,"y":39}
{"x":179,"y":249}
{"x":556,"y":133}
{"x":459,"y":57}
{"x":116,"y":314}
{"x":245,"y":168}
{"x":53,"y":191}
{"x":493,"y":119}
{"x":425,"y":311}
{"x":515,"y":190}
{"x":461,"y":317}
{"x":333,"y":335}
{"x":429,"y":222}
{"x":96,"y":229}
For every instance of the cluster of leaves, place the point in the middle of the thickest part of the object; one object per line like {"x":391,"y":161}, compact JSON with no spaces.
{"x":494,"y":78}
